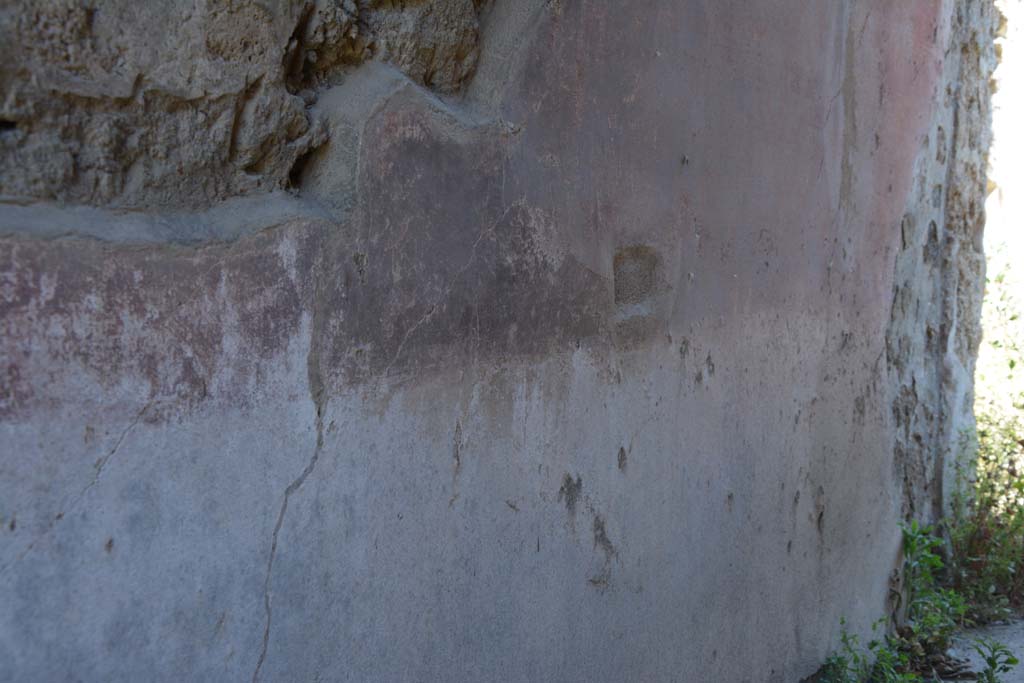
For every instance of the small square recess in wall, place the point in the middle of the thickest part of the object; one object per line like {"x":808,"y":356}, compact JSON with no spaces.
{"x":636,"y":272}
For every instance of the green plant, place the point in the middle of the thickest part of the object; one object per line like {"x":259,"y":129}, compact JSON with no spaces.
{"x":890,"y":665}
{"x":933,"y":613}
{"x":880,"y":662}
{"x":987,"y":522}
{"x":998,"y":659}
{"x":921,"y":560}
{"x":933,"y":616}
{"x":849,"y":664}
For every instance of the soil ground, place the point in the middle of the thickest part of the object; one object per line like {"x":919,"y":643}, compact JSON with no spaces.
{"x":1012,"y":634}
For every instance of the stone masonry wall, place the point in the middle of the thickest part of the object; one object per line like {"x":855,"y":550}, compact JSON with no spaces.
{"x":935,"y":330}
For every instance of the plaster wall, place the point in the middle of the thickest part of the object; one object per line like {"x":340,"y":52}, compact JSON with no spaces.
{"x":571,"y":361}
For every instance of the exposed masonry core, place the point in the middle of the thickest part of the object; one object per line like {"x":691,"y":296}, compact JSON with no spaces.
{"x":477,"y":340}
{"x":182,"y":103}
{"x":935,"y":329}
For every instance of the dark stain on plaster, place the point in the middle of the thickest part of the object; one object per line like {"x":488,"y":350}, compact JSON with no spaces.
{"x":457,"y":447}
{"x":570,"y":492}
{"x":14,"y":389}
{"x":859,"y":410}
{"x":602,"y":580}
{"x":218,"y":628}
{"x":819,"y":510}
{"x":456,"y":462}
{"x":601,"y":539}
{"x":359,"y":260}
{"x":623,"y":459}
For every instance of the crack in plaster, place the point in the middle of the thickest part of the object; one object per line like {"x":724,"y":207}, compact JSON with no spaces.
{"x":99,"y":467}
{"x":318,"y":396}
{"x":292,"y":488}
